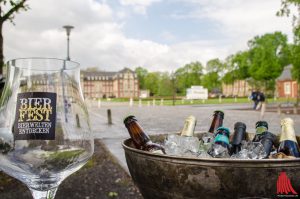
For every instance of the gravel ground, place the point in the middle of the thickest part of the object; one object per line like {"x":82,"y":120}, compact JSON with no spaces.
{"x":101,"y":178}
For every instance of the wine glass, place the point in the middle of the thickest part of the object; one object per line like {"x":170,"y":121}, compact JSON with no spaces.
{"x":44,"y":125}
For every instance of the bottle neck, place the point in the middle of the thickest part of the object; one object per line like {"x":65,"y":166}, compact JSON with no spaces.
{"x":137,"y":134}
{"x":188,"y":128}
{"x":238,"y":136}
{"x":287,"y":133}
{"x":216,"y":123}
{"x":260,"y":130}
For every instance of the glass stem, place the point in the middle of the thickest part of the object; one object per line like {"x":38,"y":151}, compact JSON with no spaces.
{"x":50,"y":194}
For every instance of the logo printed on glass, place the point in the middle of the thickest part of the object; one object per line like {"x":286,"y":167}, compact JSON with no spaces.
{"x":35,"y":116}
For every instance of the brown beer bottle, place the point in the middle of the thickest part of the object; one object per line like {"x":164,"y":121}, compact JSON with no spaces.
{"x":217,"y":121}
{"x":288,"y":142}
{"x":140,"y":139}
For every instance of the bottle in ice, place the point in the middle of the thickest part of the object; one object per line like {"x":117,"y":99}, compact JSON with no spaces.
{"x":220,"y":147}
{"x":140,"y":139}
{"x":189,"y":126}
{"x":262,"y":135}
{"x":238,"y":136}
{"x":288,"y":142}
{"x":184,"y":144}
{"x":217,"y":121}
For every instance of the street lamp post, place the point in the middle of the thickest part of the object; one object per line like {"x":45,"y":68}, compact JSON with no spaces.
{"x":68,"y":31}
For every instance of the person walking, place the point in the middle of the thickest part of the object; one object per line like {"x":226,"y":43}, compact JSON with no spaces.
{"x":253,"y":97}
{"x":261,"y":104}
{"x":260,"y":99}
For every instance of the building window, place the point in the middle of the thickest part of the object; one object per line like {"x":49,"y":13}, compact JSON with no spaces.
{"x":287,"y":88}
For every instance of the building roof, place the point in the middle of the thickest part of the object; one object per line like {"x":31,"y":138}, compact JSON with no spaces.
{"x":286,"y":73}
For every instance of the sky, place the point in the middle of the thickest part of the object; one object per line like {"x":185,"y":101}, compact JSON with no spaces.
{"x":159,"y":35}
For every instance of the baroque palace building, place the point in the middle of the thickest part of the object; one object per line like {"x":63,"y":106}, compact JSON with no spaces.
{"x":101,"y":84}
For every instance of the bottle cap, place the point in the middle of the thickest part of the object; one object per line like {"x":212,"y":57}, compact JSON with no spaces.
{"x":262,"y":123}
{"x":223,"y":129}
{"x":218,"y":112}
{"x":129,"y":119}
{"x":287,"y":121}
{"x":239,"y":125}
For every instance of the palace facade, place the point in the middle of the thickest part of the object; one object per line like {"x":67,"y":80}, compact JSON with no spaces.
{"x":102,"y":84}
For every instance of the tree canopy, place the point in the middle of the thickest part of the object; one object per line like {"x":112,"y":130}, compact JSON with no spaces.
{"x":268,"y":55}
{"x":188,"y":75}
{"x":12,"y":7}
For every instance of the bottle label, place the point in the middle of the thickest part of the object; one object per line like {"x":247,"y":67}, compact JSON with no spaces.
{"x":221,"y":138}
{"x":189,"y":126}
{"x":261,"y":129}
{"x":35,"y":116}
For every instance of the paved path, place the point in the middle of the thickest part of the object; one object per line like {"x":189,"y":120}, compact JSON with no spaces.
{"x":170,"y":119}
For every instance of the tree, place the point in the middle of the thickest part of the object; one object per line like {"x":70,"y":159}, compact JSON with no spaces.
{"x":229,"y":76}
{"x":152,"y":82}
{"x":215,"y":65}
{"x":285,"y":11}
{"x":141,"y":74}
{"x":215,"y":69}
{"x":268,"y":55}
{"x":14,"y":7}
{"x":241,"y":64}
{"x":165,"y":87}
{"x":188,"y":75}
{"x":211,"y":81}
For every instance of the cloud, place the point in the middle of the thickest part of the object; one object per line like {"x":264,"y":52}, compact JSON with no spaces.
{"x":98,"y":38}
{"x":139,"y":6}
{"x":239,"y":20}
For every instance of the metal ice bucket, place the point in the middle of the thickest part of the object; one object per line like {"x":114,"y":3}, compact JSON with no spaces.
{"x":169,"y":177}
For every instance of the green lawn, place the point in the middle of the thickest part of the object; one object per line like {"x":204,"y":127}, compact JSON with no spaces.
{"x":169,"y":101}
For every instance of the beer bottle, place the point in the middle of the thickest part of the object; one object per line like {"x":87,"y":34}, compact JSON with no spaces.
{"x":288,"y":143}
{"x":140,"y":139}
{"x":238,"y":135}
{"x":222,"y":137}
{"x":217,"y":121}
{"x":220,"y":147}
{"x":189,"y":126}
{"x":262,"y":135}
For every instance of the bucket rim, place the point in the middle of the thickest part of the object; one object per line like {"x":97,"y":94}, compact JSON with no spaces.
{"x":127,"y":148}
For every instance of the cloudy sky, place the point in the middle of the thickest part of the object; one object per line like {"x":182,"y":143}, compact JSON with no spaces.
{"x":156,"y":34}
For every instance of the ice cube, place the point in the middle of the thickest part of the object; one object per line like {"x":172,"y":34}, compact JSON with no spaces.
{"x":203,"y":154}
{"x":181,"y":145}
{"x":251,"y":150}
{"x":206,"y":142}
{"x":259,"y":150}
{"x":218,"y":151}
{"x":171,"y":148}
{"x":189,"y":153}
{"x":189,"y":144}
{"x":207,"y":137}
{"x":172,"y":144}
